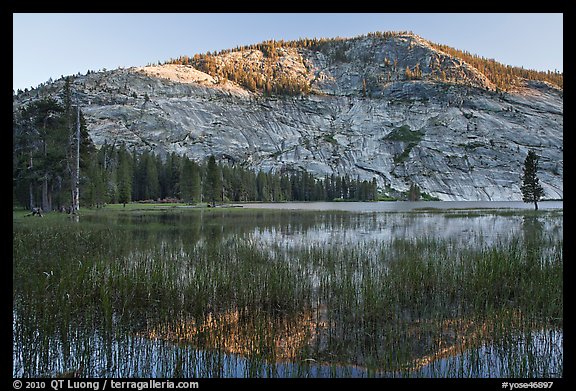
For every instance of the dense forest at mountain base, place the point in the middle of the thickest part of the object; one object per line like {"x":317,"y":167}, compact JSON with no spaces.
{"x":113,"y":174}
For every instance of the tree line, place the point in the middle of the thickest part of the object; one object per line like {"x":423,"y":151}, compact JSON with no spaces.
{"x":44,"y":158}
{"x":124,"y":176}
{"x":265,"y":76}
{"x":268,"y":76}
{"x":503,"y":76}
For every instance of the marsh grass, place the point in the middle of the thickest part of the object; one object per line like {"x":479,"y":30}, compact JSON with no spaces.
{"x":184,"y":294}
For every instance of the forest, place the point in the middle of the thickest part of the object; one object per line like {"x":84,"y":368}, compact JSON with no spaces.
{"x":45,"y":149}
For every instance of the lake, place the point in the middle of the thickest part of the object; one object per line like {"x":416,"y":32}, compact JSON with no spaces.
{"x":403,"y":206}
{"x":292,"y":290}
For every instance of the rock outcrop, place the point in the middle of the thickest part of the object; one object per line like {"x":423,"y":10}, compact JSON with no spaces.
{"x":446,"y":128}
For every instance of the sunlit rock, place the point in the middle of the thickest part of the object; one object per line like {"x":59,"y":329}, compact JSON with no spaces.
{"x":457,"y":137}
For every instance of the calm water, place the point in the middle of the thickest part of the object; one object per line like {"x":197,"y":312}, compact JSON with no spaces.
{"x":404,"y":206}
{"x":306,"y":290}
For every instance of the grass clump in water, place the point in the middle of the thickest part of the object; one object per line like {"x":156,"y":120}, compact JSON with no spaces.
{"x":189,"y":295}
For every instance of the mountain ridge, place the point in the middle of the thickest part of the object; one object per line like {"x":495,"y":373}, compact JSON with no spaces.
{"x":489,"y":67}
{"x":333,"y":110}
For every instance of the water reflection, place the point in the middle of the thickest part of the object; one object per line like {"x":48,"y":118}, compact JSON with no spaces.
{"x":333,"y":228}
{"x":296,"y":230}
{"x":286,"y":293}
{"x":404,"y":206}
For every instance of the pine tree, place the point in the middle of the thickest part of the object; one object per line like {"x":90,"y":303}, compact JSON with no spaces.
{"x":531,"y":189}
{"x":124,"y":176}
{"x":190,"y":181}
{"x":152,"y":182}
{"x":414,"y":192}
{"x":417,"y":71}
{"x":213,"y":182}
{"x":374,"y":190}
{"x":94,"y":191}
{"x":47,"y":136}
{"x":146,"y":178}
{"x":408,"y":73}
{"x":196,"y":184}
{"x":262,"y":187}
{"x":136,"y":176}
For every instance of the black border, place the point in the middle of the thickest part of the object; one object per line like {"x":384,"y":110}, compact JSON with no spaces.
{"x":487,"y":6}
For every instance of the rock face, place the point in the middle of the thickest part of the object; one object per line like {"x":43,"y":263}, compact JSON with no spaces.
{"x":449,"y":131}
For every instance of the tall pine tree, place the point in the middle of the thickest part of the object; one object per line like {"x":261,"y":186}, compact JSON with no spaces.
{"x":190,"y":181}
{"x":531,"y":189}
{"x":124,"y":176}
{"x":213,"y":182}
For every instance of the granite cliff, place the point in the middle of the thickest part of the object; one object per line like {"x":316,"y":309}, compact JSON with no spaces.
{"x":395,"y":107}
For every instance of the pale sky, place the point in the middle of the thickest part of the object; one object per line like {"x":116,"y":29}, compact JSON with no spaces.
{"x":50,"y":45}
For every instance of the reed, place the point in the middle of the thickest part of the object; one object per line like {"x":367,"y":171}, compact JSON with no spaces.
{"x":184,"y":294}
